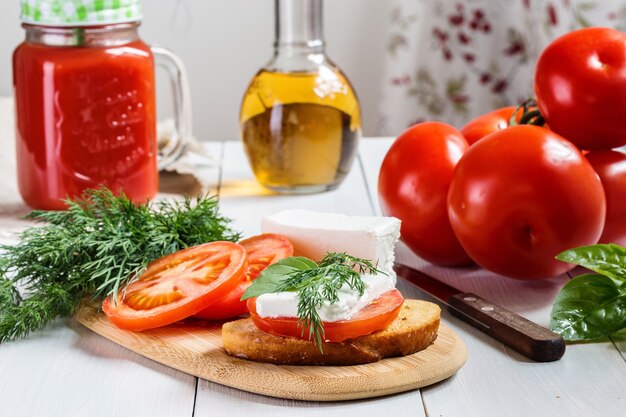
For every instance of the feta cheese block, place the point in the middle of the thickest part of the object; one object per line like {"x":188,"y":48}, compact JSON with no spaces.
{"x":314,"y":234}
{"x":285,"y":304}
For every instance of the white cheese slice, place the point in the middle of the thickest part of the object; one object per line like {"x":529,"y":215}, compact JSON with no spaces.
{"x":313,"y":235}
{"x":285,"y":304}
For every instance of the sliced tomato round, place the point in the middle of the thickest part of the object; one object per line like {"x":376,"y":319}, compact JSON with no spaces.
{"x":177,"y":286}
{"x":262,"y":250}
{"x":376,"y":316}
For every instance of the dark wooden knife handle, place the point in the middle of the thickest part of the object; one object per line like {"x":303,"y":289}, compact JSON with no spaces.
{"x":528,"y":338}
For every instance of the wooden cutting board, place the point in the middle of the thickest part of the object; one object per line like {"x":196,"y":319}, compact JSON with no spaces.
{"x":195,"y":347}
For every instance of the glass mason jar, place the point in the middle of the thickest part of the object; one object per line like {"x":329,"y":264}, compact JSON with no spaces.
{"x":300,"y":117}
{"x":85,"y":107}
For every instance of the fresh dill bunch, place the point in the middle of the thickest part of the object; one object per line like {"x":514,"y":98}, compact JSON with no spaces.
{"x":315,"y":283}
{"x":95,"y":247}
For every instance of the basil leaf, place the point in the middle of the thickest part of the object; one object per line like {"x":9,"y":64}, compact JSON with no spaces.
{"x":606,"y":259}
{"x":264,"y":284}
{"x":589,"y":307}
{"x":298,"y":262}
{"x":270,"y":279}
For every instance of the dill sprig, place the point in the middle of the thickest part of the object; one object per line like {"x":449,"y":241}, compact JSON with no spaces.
{"x":95,"y":248}
{"x":315,"y":283}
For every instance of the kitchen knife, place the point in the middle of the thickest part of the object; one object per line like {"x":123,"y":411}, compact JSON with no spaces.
{"x":528,"y":338}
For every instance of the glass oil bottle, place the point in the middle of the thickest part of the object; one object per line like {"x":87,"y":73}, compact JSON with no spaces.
{"x":300,"y":117}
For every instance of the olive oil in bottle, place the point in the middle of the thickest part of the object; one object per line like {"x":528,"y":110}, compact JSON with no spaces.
{"x":300,"y":119}
{"x":300,"y":130}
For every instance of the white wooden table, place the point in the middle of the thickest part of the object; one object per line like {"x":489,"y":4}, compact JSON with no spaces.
{"x":67,"y":370}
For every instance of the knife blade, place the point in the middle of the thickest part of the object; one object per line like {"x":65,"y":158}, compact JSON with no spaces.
{"x":526,"y":337}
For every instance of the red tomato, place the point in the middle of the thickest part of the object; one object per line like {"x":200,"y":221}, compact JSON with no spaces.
{"x":521,"y":196}
{"x":611,"y":167}
{"x":177,"y":286}
{"x":262,"y":250}
{"x":488,"y":123}
{"x":580,"y":83}
{"x":374,"y":317}
{"x":413,"y":184}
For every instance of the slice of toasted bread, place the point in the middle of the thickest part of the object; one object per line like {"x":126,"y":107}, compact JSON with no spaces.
{"x":414,"y":329}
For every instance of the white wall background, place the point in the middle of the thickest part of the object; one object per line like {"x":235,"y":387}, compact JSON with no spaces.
{"x":224,"y":42}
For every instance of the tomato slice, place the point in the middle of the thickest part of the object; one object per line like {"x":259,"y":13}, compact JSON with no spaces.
{"x":262,"y":250}
{"x":376,"y":316}
{"x":177,"y":286}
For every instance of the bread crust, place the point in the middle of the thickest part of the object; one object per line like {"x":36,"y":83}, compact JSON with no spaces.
{"x":414,"y":329}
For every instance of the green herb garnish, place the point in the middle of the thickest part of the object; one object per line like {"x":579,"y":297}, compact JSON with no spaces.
{"x":315,"y":283}
{"x":592,"y":306}
{"x":95,"y":247}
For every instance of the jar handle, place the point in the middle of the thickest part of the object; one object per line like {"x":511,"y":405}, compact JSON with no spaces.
{"x":182,"y":105}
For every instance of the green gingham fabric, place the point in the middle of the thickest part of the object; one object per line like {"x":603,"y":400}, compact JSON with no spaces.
{"x":80,"y":12}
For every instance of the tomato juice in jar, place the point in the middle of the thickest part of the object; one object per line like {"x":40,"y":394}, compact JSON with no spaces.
{"x":85,"y":102}
{"x":85,"y":113}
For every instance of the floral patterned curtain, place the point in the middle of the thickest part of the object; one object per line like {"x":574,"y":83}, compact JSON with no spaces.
{"x":452,"y":60}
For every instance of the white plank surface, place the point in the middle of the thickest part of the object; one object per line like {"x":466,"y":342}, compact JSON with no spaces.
{"x":242,"y":199}
{"x":68,"y":370}
{"x":496,"y":381}
{"x":620,"y":343}
{"x":219,"y":401}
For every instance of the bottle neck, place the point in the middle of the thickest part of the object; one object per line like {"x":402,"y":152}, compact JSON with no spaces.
{"x":88,"y":36}
{"x":299,"y":27}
